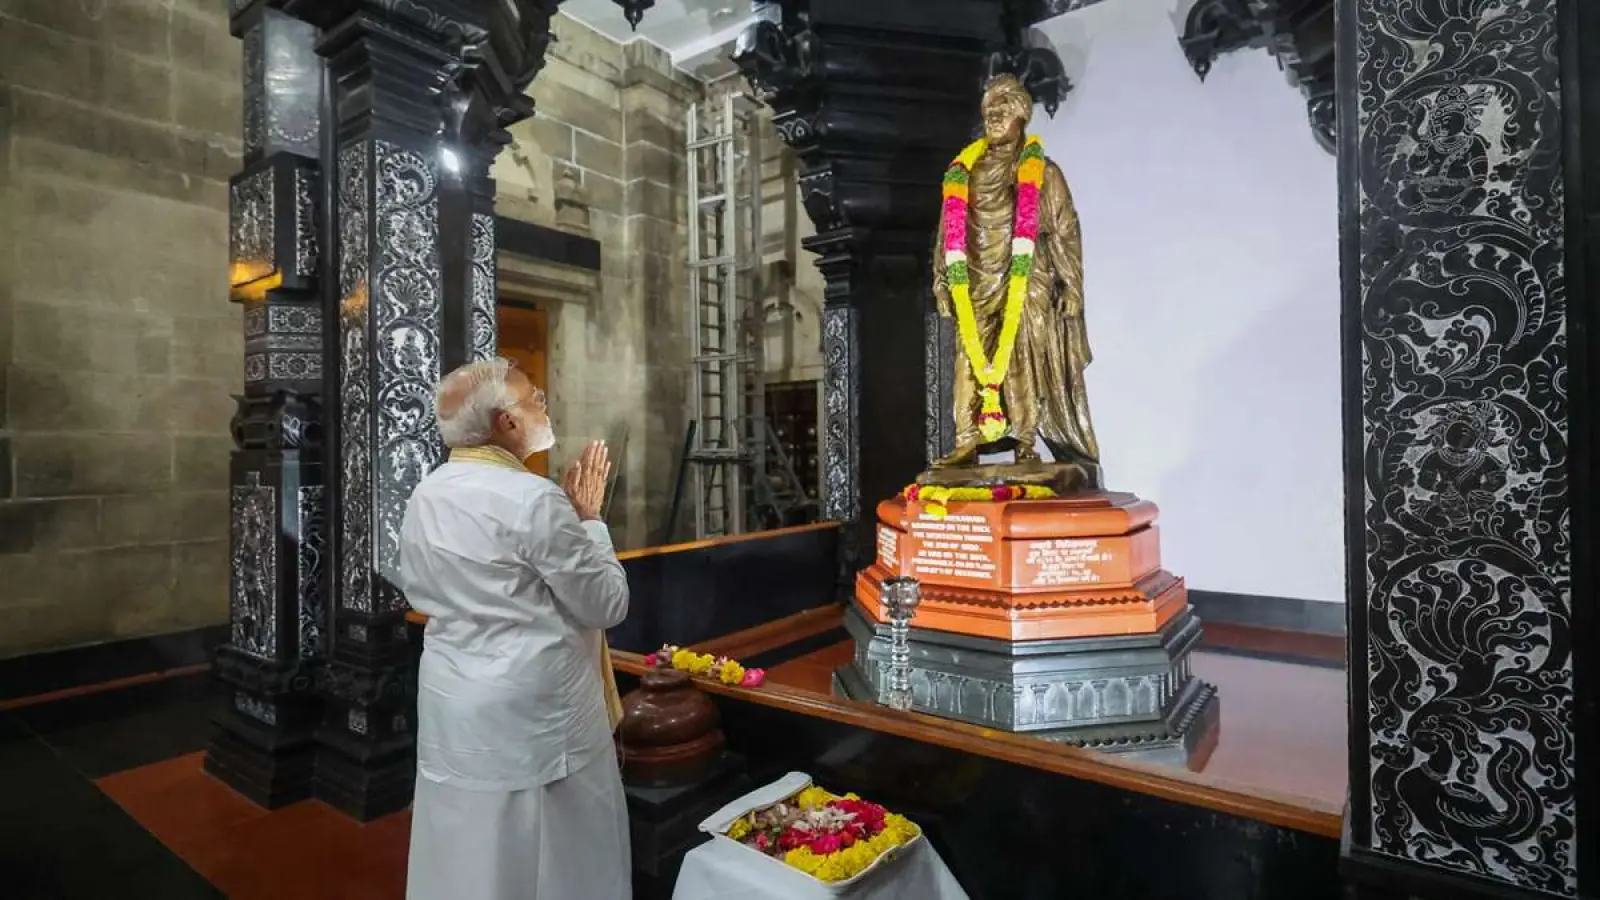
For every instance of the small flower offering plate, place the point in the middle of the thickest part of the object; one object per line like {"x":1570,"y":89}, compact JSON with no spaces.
{"x":835,"y":839}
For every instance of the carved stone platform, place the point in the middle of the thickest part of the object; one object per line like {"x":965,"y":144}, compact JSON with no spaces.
{"x":1079,"y":566}
{"x":1130,"y":695}
{"x":1048,"y":617}
{"x":263,"y":746}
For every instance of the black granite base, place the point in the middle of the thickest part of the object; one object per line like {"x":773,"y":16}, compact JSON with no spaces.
{"x":263,"y":745}
{"x":1132,"y":695}
{"x":272,"y":770}
{"x":365,"y":781}
{"x":664,"y":823}
{"x":1188,"y":726}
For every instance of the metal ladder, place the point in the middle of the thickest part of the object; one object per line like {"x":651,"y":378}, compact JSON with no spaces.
{"x":727,"y":448}
{"x":782,"y":494}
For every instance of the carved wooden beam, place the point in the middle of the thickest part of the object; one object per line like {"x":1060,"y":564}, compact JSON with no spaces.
{"x":875,"y":99}
{"x":1298,"y":32}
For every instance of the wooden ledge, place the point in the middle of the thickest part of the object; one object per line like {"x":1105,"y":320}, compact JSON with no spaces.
{"x":1177,"y":785}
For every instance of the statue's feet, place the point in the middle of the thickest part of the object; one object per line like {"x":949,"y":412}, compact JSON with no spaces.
{"x":964,"y":455}
{"x":1025,"y":453}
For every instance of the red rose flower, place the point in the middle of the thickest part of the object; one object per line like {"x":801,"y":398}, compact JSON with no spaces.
{"x":868,"y":816}
{"x":823,"y":844}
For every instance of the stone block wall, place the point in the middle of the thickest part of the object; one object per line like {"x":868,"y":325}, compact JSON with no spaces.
{"x":119,"y":351}
{"x":119,"y":127}
{"x":607,"y":138}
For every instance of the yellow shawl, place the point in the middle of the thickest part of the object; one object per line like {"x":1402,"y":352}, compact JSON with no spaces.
{"x":490,"y":455}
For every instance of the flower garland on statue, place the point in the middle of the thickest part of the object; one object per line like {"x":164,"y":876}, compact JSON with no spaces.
{"x":828,"y":837}
{"x":721,"y":668}
{"x":991,"y":373}
{"x":936,"y":499}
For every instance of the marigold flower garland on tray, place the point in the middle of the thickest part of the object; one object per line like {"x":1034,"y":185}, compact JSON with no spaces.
{"x":828,"y":837}
{"x":936,"y":499}
{"x":991,"y":372}
{"x":723,"y":669}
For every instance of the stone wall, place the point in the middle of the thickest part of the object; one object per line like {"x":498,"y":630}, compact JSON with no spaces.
{"x":119,"y":127}
{"x":119,"y":350}
{"x":606,"y":146}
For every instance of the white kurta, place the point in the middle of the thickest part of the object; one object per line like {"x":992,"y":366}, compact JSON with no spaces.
{"x":518,"y":793}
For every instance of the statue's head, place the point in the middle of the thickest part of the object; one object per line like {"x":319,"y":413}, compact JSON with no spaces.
{"x":1007,"y":107}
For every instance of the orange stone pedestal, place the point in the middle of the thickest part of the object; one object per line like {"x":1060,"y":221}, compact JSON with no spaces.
{"x":1048,"y":617}
{"x":1082,"y":566}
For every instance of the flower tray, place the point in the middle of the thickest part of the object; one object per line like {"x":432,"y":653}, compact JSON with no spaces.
{"x":835,"y":872}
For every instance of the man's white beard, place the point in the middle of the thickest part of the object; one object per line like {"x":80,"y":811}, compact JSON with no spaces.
{"x":540,"y":439}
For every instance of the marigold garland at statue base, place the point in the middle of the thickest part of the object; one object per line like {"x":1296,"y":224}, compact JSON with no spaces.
{"x":1061,"y":478}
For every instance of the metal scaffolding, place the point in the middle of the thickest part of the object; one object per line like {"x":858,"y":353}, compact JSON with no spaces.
{"x":729,"y":433}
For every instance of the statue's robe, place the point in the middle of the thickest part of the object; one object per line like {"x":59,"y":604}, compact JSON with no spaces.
{"x":1043,"y":392}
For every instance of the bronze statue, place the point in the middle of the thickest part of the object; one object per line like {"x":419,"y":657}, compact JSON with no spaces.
{"x":1041,"y":391}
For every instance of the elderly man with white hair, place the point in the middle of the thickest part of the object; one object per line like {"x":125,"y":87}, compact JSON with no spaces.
{"x":518,"y":792}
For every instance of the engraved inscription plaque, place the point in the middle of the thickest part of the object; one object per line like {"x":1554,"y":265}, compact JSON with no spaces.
{"x":1063,"y":563}
{"x":888,"y":548}
{"x":957,"y":549}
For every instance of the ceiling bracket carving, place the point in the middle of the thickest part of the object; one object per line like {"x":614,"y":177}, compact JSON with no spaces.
{"x":1299,"y":33}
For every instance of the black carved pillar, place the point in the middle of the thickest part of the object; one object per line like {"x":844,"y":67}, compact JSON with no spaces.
{"x":875,"y":99}
{"x":418,"y":96}
{"x":263,"y":745}
{"x":386,"y":73}
{"x":1469,"y":207}
{"x":482,"y":98}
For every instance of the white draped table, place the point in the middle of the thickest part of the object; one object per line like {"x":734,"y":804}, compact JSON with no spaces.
{"x":722,"y":870}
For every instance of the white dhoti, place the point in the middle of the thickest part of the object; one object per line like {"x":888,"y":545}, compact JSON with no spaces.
{"x":566,"y":840}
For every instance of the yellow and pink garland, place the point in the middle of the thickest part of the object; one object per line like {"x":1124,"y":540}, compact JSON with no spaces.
{"x":936,"y":499}
{"x":991,"y":373}
{"x":704,"y":665}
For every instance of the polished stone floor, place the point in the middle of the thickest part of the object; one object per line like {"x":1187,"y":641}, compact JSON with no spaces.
{"x":61,"y":837}
{"x":103,"y":795}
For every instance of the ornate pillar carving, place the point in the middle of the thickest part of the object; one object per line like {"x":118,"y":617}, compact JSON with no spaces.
{"x":387,"y":71}
{"x":363,"y":245}
{"x":263,"y":745}
{"x":875,"y":99}
{"x":421,"y":95}
{"x":1469,"y":203}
